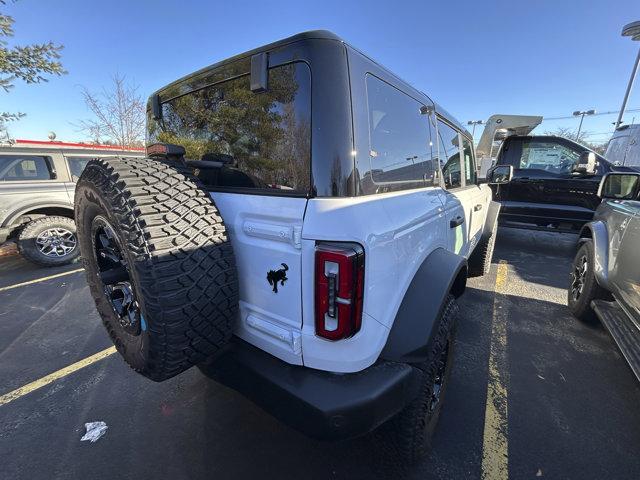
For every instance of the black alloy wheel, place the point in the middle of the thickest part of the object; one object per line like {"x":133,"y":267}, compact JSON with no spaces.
{"x":116,"y":279}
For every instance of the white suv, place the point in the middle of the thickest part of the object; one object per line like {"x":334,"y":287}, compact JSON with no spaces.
{"x":301,"y":230}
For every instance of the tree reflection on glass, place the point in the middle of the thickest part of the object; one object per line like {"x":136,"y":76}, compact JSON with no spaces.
{"x":267,"y":134}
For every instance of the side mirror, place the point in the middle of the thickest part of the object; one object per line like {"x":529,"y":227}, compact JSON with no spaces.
{"x":500,"y":174}
{"x":620,"y":186}
{"x":587,"y":163}
{"x":485,"y":164}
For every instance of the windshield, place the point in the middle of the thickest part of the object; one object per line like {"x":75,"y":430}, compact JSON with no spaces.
{"x":263,"y":138}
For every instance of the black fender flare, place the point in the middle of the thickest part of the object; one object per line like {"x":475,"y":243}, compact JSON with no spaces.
{"x":490,"y":220}
{"x":13,"y":216}
{"x":413,"y":327}
{"x":596,"y":231}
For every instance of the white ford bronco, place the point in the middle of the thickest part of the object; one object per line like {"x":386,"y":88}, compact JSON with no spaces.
{"x":301,"y":230}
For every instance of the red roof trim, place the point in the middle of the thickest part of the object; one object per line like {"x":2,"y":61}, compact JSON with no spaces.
{"x":81,"y":145}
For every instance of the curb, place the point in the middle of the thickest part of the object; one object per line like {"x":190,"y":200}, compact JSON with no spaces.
{"x":8,"y":248}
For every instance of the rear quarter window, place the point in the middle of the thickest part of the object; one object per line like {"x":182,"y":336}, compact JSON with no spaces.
{"x":263,"y":139}
{"x":77,"y":165}
{"x":401,"y":148}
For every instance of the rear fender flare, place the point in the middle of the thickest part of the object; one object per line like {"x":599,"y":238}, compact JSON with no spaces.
{"x":597,"y":232}
{"x":13,"y":217}
{"x":441,"y":273}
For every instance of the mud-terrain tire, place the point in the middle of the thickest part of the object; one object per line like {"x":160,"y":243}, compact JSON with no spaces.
{"x":158,"y":261}
{"x":409,"y":433}
{"x":479,"y":262}
{"x":49,"y":241}
{"x":579,"y":299}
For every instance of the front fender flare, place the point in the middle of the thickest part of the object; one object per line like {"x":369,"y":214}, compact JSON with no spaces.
{"x":410,"y":336}
{"x":597,"y":232}
{"x":492,"y":217}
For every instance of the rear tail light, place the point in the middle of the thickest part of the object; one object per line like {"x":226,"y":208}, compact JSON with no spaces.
{"x":339,"y":288}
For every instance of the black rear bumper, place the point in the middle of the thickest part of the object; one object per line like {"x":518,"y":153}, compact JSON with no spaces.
{"x":320,"y":404}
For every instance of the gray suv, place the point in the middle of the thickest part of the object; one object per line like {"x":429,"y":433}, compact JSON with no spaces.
{"x":605,"y":277}
{"x":37,"y":183}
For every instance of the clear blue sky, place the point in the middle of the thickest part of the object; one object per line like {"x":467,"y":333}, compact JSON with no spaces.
{"x":475,"y":57}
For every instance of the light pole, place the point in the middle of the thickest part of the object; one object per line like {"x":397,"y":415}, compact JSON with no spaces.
{"x":581,"y":114}
{"x":474,"y":123}
{"x":631,"y":30}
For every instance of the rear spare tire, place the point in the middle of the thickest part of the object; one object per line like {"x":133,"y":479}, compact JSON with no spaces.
{"x":158,"y":261}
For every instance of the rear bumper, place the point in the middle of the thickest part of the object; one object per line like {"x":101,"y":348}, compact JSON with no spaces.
{"x":321,"y":404}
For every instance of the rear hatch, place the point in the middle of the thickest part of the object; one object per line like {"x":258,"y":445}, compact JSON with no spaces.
{"x":260,"y":142}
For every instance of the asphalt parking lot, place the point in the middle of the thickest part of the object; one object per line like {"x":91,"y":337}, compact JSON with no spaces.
{"x":534,"y":393}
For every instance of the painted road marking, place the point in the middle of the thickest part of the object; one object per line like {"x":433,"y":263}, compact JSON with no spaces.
{"x":50,"y":277}
{"x":495,"y":447}
{"x":52,"y":377}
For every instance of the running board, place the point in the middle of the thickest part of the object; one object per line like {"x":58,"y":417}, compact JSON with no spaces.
{"x":624,"y":332}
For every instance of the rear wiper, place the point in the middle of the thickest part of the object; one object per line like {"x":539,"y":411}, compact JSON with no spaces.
{"x":212,"y":160}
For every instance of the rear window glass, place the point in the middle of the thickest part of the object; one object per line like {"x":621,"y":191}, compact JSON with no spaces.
{"x":262,"y":140}
{"x":23,"y":168}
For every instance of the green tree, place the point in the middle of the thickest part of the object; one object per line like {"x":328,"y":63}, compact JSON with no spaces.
{"x":29,"y":63}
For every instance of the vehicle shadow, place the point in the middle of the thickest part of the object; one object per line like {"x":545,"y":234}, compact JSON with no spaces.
{"x":536,"y":256}
{"x":242,"y":441}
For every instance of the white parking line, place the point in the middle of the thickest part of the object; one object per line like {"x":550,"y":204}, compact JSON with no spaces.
{"x":52,"y":377}
{"x":37,"y":280}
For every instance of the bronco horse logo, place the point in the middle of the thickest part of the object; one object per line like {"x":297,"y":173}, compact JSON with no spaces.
{"x":275,"y":276}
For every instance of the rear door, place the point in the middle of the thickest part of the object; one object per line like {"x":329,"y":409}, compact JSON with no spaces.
{"x":261,"y":144}
{"x":461,"y":197}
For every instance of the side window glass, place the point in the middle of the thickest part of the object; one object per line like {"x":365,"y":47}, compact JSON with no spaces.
{"x":549,"y":156}
{"x":76,"y":165}
{"x":469,"y":162}
{"x":23,"y":168}
{"x":401,"y":149}
{"x":449,"y":155}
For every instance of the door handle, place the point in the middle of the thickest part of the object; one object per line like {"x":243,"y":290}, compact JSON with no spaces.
{"x":477,"y":208}
{"x":456,"y":222}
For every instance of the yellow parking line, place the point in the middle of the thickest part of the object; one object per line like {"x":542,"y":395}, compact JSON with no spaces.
{"x":52,"y":377}
{"x":495,"y":446}
{"x":57,"y":275}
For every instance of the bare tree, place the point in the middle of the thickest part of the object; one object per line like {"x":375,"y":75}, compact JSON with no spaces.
{"x":119,"y":114}
{"x":582,"y":139}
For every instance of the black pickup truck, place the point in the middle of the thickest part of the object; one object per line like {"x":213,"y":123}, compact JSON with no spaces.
{"x":555,"y":180}
{"x":553,"y":186}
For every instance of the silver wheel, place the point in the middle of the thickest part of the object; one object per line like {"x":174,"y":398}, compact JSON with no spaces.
{"x":56,"y":242}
